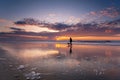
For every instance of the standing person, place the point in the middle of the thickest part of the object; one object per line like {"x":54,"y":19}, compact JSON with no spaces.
{"x":70,"y":40}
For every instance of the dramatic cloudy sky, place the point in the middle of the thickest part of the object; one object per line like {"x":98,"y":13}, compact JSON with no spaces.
{"x":59,"y":19}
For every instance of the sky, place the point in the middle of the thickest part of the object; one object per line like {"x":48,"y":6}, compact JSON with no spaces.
{"x":59,"y":19}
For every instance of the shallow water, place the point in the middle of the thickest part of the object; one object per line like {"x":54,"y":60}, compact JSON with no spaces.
{"x":58,"y":61}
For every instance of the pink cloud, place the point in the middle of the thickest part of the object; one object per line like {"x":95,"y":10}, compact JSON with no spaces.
{"x":4,"y":20}
{"x":110,"y":12}
{"x":93,"y":13}
{"x":98,"y":16}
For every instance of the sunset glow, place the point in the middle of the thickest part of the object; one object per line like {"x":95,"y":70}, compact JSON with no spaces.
{"x":89,"y":38}
{"x":59,"y":20}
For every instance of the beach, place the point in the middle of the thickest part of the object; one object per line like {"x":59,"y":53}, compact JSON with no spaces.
{"x":8,"y":70}
{"x":58,"y":61}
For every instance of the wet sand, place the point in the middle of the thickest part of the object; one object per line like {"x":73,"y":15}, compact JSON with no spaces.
{"x":7,"y":68}
{"x":33,"y":61}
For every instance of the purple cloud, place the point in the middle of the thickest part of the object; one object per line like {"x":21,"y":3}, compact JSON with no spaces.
{"x":110,"y":12}
{"x":27,"y":21}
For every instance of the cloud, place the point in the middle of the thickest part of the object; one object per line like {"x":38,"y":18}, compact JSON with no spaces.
{"x":21,"y":37}
{"x":109,"y":28}
{"x":3,"y":20}
{"x":32,"y":27}
{"x":90,"y":25}
{"x":110,"y":12}
{"x":16,"y":29}
{"x":4,"y":25}
{"x":104,"y":27}
{"x":72,"y":20}
{"x":101,"y":15}
{"x":27,"y":21}
{"x":42,"y":24}
{"x":60,"y":26}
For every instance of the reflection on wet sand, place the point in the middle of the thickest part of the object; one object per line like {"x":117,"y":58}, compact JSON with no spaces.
{"x":70,"y":51}
{"x":37,"y":53}
{"x":76,"y":62}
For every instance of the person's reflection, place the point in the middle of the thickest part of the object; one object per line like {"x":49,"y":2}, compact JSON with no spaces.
{"x":70,"y":51}
{"x":70,"y":48}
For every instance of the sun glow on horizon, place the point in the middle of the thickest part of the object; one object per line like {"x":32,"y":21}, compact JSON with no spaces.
{"x":58,"y":38}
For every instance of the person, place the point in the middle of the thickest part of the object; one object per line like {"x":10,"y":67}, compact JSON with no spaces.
{"x":70,"y":40}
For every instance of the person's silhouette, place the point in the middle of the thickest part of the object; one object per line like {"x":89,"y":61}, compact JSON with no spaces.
{"x":70,"y":40}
